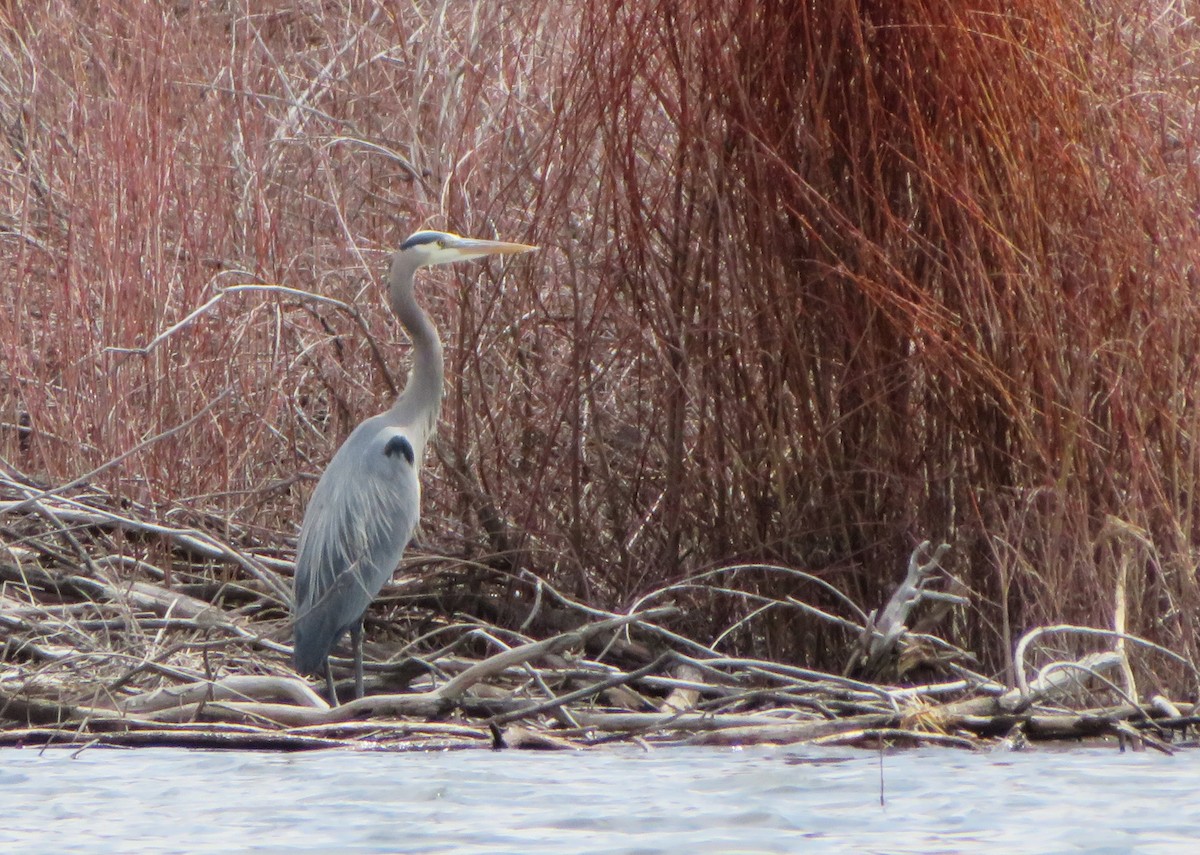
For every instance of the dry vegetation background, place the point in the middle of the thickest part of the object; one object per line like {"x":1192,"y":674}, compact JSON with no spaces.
{"x":818,"y":281}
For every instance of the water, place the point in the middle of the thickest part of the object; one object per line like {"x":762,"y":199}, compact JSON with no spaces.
{"x":612,"y":801}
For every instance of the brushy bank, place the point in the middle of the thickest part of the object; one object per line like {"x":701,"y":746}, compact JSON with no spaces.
{"x":818,"y":284}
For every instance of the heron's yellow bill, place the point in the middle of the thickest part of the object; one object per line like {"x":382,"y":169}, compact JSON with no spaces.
{"x":474,"y":248}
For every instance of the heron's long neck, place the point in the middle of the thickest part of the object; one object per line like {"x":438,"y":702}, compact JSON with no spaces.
{"x":421,"y":399}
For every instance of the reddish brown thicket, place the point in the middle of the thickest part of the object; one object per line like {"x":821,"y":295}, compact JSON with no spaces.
{"x":818,"y":281}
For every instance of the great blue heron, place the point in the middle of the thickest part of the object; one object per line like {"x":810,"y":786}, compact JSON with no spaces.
{"x":367,"y":503}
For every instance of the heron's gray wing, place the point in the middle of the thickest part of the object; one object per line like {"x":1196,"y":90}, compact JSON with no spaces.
{"x":359,"y":520}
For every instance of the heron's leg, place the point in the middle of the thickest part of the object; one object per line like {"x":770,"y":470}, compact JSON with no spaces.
{"x":333,"y":699}
{"x":356,"y":639}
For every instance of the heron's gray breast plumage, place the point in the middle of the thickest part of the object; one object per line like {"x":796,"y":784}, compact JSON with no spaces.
{"x":358,"y":522}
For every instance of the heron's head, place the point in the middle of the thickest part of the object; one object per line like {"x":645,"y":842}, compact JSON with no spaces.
{"x":426,"y":248}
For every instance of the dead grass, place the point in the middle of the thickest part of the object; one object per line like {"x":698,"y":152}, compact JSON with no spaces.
{"x":816,"y":284}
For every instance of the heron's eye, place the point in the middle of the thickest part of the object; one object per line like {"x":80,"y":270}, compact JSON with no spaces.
{"x":441,"y":244}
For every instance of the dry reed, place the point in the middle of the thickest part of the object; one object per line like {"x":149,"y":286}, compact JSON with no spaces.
{"x":818,"y":282}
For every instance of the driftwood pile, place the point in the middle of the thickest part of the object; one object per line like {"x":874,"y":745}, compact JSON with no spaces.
{"x":119,"y":630}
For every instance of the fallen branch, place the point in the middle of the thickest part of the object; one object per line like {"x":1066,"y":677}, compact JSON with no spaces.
{"x":236,"y":687}
{"x":100,"y":648}
{"x":884,"y":629}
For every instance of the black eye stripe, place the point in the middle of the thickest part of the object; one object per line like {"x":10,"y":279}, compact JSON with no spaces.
{"x":421,"y":238}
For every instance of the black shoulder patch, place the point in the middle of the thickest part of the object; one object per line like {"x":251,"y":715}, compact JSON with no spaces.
{"x":419,"y":238}
{"x":399,"y":445}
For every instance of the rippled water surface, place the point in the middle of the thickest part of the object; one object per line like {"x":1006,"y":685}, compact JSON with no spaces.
{"x":669,"y":800}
